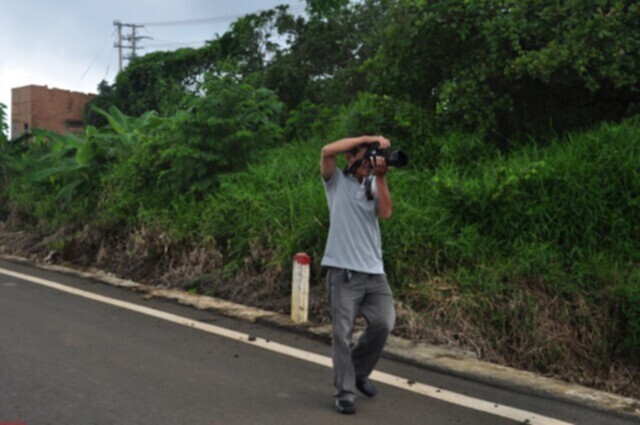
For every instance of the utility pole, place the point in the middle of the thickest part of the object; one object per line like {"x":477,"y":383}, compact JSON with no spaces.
{"x":119,"y":43}
{"x":132,"y":38}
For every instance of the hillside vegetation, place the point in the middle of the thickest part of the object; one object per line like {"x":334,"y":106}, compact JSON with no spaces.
{"x":516,"y":227}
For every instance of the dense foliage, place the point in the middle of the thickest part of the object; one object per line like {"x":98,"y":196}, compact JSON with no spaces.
{"x":509,"y":67}
{"x":505,"y":69}
{"x":517,"y":223}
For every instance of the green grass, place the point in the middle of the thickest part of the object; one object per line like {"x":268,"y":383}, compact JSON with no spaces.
{"x":560,"y":221}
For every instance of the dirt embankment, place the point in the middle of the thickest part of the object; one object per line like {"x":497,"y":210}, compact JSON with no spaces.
{"x":147,"y":257}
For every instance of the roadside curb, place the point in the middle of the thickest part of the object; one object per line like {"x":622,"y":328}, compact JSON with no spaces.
{"x":443,"y":359}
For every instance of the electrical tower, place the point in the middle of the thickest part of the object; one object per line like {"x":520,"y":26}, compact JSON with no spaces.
{"x":132,"y":38}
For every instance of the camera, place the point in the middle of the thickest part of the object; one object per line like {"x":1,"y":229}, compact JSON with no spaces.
{"x":396,"y":159}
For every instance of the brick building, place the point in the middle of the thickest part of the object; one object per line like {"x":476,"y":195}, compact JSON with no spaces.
{"x":57,"y":110}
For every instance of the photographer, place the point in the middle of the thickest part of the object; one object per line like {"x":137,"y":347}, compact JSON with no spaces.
{"x":356,"y":282}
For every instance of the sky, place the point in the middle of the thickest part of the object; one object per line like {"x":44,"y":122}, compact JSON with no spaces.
{"x":69,"y":44}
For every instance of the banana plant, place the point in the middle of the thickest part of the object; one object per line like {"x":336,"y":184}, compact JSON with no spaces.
{"x":72,"y":165}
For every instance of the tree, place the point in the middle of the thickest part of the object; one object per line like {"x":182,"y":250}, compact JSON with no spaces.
{"x":104,"y":99}
{"x":4,"y":128}
{"x":502,"y":69}
{"x":217,"y":132}
{"x":3,"y":148}
{"x":512,"y":67}
{"x":159,"y":80}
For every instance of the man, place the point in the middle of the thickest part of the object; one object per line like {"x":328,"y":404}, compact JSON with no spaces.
{"x":356,"y":282}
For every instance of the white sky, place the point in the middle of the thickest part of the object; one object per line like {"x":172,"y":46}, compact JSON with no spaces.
{"x":69,"y":44}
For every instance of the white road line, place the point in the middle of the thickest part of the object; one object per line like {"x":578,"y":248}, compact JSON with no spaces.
{"x":521,"y":416}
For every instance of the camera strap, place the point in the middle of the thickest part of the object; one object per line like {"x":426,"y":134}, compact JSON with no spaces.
{"x":349,"y":170}
{"x":368,"y":181}
{"x":368,"y":186}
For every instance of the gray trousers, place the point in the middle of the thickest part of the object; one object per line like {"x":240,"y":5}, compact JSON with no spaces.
{"x":351,"y":293}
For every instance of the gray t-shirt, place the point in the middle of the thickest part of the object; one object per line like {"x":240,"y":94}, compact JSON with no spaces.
{"x":354,"y":234}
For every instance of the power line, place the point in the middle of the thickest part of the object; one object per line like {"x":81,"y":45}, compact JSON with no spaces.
{"x":215,"y":19}
{"x":164,"y":41}
{"x":99,"y":53}
{"x":219,"y":19}
{"x":176,"y":43}
{"x":108,"y":66}
{"x":133,"y":38}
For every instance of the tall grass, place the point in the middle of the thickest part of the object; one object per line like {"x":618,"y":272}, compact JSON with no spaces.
{"x":563,"y":218}
{"x":277,"y":204}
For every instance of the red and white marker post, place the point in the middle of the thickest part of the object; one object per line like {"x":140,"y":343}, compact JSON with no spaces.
{"x":300,"y":288}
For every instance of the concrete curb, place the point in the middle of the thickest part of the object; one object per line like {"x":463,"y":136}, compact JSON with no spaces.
{"x":443,"y":359}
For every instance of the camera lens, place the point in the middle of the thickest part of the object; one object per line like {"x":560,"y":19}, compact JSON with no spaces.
{"x":396,"y":159}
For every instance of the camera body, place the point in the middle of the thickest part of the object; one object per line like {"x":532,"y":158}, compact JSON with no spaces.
{"x":396,"y":159}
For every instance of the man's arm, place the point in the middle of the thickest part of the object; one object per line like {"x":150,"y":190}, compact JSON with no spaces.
{"x":328,"y":161}
{"x":385,"y":205}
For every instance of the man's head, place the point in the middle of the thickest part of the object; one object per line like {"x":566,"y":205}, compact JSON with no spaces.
{"x":355,"y":158}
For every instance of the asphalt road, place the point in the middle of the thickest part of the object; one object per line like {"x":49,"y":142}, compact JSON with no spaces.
{"x":65,"y":359}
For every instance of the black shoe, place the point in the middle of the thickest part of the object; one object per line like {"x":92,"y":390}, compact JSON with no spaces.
{"x":345,"y":407}
{"x":366,"y":387}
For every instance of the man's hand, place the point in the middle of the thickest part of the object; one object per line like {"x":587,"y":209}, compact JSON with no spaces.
{"x":384,"y":142}
{"x":380,"y":167}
